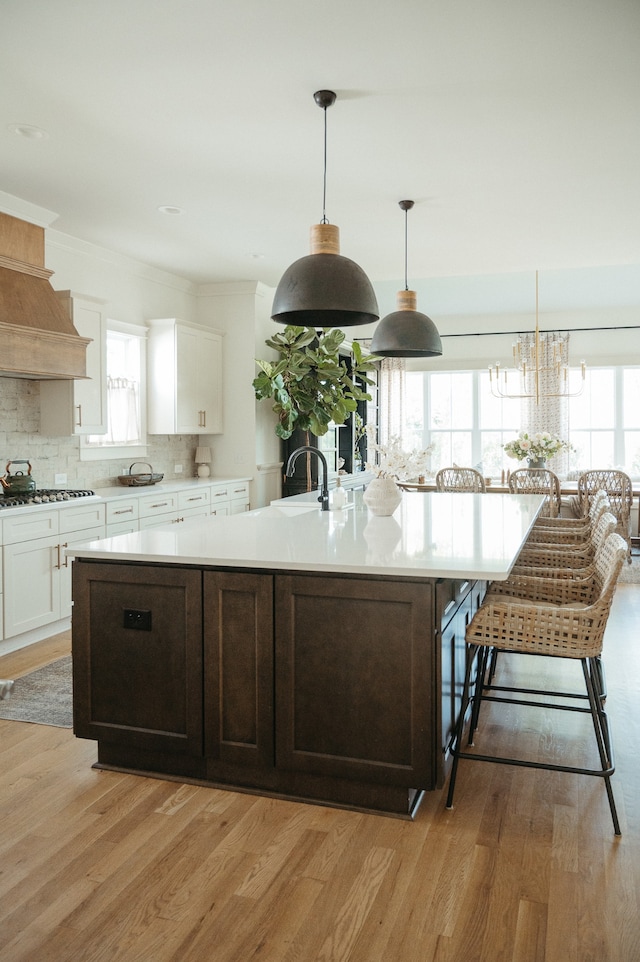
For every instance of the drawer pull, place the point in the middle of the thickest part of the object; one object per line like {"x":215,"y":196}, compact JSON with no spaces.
{"x":221,"y":494}
{"x":124,"y":511}
{"x":161,"y":504}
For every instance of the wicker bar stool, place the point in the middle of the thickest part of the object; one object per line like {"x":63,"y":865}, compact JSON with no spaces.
{"x":568,"y":530}
{"x":460,"y":479}
{"x":618,"y":486}
{"x":538,"y":481}
{"x":577,"y":554}
{"x":569,"y":631}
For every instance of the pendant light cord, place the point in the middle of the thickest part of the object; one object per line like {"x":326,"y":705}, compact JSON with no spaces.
{"x":406,"y":248}
{"x":324,"y":180}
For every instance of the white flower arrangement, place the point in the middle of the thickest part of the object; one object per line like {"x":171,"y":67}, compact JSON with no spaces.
{"x":541,"y":445}
{"x":393,"y":462}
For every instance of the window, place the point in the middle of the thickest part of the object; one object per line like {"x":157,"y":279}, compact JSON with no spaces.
{"x":126,"y":435}
{"x":456,"y":412}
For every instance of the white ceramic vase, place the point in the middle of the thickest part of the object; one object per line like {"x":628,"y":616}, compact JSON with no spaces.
{"x":382,"y":497}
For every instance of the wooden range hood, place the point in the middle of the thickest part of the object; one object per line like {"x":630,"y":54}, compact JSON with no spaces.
{"x":37,"y":337}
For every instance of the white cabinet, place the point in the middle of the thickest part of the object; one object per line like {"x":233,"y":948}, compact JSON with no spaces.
{"x":232,"y":497}
{"x":184,"y":378}
{"x":121,"y":516}
{"x":79,"y":406}
{"x":239,"y":497}
{"x":173,"y":508}
{"x":36,"y":574}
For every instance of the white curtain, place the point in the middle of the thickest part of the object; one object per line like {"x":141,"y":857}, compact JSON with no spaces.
{"x":123,"y":406}
{"x":391,"y":396}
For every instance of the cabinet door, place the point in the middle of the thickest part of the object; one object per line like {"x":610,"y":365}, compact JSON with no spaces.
{"x":79,"y":406}
{"x":238,"y":647}
{"x":198,"y":381}
{"x":76,"y":537}
{"x":354,"y":679}
{"x":137,"y":656}
{"x":188,"y":401}
{"x":209,"y":377}
{"x":31,"y":584}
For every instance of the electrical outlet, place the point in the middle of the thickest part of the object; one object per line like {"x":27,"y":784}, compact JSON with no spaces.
{"x":177,"y":468}
{"x":60,"y":479}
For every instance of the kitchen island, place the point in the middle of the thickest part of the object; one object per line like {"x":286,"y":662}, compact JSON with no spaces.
{"x":289,"y":651}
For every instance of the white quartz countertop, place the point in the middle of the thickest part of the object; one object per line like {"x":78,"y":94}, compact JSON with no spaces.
{"x":430,"y":535}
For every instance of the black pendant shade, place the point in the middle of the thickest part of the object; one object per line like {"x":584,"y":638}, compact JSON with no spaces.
{"x":406,"y":332}
{"x":325,"y":289}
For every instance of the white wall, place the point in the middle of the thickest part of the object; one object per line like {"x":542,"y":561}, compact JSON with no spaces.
{"x":248,"y":446}
{"x":134,"y":291}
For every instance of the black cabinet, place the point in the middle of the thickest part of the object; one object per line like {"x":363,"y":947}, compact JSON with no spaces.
{"x":342,"y":690}
{"x":137,"y":657}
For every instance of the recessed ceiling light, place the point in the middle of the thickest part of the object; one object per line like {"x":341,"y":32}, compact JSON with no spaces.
{"x":168,"y":209}
{"x":28,"y":131}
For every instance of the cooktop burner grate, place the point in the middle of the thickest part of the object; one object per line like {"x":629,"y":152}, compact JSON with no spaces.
{"x":44,"y":496}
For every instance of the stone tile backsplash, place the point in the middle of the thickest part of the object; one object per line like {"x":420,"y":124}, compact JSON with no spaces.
{"x":20,"y":438}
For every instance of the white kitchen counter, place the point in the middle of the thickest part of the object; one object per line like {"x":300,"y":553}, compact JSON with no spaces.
{"x":430,"y":535}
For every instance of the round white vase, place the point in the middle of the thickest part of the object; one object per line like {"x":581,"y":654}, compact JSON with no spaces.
{"x":382,"y":497}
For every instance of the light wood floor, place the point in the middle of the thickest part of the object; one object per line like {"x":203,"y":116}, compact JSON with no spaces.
{"x":102,"y":866}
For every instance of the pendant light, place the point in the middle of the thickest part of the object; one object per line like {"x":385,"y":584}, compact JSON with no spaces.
{"x":406,"y":332}
{"x":325,"y":289}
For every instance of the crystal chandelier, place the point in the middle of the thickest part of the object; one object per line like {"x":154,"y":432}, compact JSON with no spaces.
{"x":541,"y":362}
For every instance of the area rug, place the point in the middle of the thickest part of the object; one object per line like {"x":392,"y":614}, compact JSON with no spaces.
{"x":630,"y":573}
{"x":43,"y":696}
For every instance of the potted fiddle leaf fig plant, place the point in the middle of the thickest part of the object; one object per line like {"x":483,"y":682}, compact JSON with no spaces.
{"x":309,"y":382}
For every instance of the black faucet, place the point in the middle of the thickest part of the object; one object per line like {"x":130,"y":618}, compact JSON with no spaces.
{"x":324,"y":491}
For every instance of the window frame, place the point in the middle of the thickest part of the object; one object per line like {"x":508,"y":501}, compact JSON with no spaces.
{"x":97,"y":451}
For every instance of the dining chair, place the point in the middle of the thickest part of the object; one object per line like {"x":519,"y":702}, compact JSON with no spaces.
{"x":538,"y":481}
{"x":460,"y":479}
{"x":572,"y":631}
{"x":618,"y":486}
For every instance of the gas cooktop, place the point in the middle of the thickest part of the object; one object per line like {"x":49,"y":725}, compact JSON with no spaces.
{"x":44,"y":496}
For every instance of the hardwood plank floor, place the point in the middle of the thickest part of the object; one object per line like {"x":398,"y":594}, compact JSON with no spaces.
{"x":98,"y":866}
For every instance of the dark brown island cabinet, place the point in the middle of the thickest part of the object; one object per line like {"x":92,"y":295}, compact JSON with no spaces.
{"x":336,"y":690}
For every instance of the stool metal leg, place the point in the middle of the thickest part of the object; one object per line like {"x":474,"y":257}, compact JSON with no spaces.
{"x":455,"y":748}
{"x":601,"y":729}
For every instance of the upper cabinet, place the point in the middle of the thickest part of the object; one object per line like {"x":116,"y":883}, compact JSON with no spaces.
{"x":79,"y":406}
{"x":184,"y":378}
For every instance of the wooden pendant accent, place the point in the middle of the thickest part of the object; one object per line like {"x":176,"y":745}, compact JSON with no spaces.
{"x":407,"y":301}
{"x":325,"y":239}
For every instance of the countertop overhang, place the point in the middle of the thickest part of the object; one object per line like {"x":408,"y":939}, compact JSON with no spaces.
{"x":430,"y":535}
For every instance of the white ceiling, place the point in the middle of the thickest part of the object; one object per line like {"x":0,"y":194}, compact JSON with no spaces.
{"x":513,"y":124}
